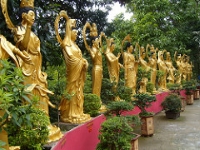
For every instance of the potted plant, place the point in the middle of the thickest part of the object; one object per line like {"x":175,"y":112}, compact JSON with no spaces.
{"x":116,"y":132}
{"x":196,"y":90}
{"x":143,"y":101}
{"x":176,"y":88}
{"x":172,"y":106}
{"x":189,"y":88}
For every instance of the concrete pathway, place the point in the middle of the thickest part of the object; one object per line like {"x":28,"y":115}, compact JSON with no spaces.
{"x":180,"y":134}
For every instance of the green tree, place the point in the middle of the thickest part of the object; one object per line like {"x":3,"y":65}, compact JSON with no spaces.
{"x":46,"y":11}
{"x":168,"y":24}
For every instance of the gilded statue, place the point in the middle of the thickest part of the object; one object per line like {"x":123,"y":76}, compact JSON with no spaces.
{"x":162,"y":83}
{"x":71,"y":110}
{"x":171,"y":68}
{"x":29,"y":45}
{"x":178,"y":61}
{"x":152,"y":62}
{"x":143,"y":63}
{"x":184,"y":67}
{"x":189,"y":68}
{"x":96,"y":55}
{"x":95,"y":51}
{"x":112,"y":61}
{"x":130,"y":65}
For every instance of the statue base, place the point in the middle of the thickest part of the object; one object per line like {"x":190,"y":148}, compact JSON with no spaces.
{"x":102,"y":109}
{"x":66,"y":126}
{"x":79,"y":119}
{"x":54,"y":133}
{"x":63,"y":127}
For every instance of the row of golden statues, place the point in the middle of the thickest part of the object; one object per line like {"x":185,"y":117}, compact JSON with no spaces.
{"x":26,"y":55}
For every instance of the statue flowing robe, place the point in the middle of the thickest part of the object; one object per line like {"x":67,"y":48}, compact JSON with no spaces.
{"x":6,"y":50}
{"x":34,"y":77}
{"x":72,"y":109}
{"x":130,"y":71}
{"x":113,"y":67}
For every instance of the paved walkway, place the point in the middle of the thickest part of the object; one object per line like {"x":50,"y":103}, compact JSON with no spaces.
{"x":180,"y":134}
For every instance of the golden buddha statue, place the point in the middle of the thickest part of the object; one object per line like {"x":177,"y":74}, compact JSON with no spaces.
{"x":189,"y":68}
{"x":143,"y":63}
{"x":71,"y":110}
{"x":184,"y":67}
{"x":130,"y":65}
{"x":29,"y":44}
{"x":112,"y":61}
{"x":171,"y":69}
{"x":163,"y":68}
{"x":113,"y":64}
{"x":152,"y":62}
{"x":96,"y":56}
{"x":178,"y":61}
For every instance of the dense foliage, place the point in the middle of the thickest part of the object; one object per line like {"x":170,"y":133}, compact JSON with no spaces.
{"x":26,"y":125}
{"x":172,"y":103}
{"x":92,"y":104}
{"x":167,"y":24}
{"x":115,"y":134}
{"x":143,"y":101}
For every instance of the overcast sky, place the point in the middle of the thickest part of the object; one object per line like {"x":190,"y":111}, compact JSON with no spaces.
{"x":117,"y":9}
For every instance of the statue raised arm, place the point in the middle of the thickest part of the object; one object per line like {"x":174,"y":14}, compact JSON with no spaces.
{"x":71,"y":110}
{"x":96,"y":56}
{"x":29,"y":45}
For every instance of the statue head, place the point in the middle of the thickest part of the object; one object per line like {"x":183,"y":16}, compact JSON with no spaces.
{"x":129,"y":47}
{"x":25,"y":7}
{"x":93,"y":30}
{"x":95,"y":41}
{"x":168,"y":56}
{"x":110,"y":45}
{"x":160,"y":55}
{"x":70,"y":32}
{"x":142,"y":52}
{"x":179,"y":57}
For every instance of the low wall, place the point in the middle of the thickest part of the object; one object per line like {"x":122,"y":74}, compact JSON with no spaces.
{"x":85,"y":136}
{"x":82,"y":137}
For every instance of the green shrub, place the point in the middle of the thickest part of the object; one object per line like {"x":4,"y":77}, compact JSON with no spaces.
{"x":31,"y":134}
{"x":107,"y":93}
{"x":24,"y":123}
{"x":118,"y":107}
{"x":150,"y":87}
{"x":189,"y":86}
{"x":143,"y":101}
{"x":92,"y":104}
{"x":123,"y":92}
{"x":172,"y":103}
{"x":115,"y":134}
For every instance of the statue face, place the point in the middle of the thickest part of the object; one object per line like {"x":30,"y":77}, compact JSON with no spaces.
{"x":131,"y":49}
{"x":74,"y":35}
{"x":30,"y":16}
{"x":112,"y":47}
